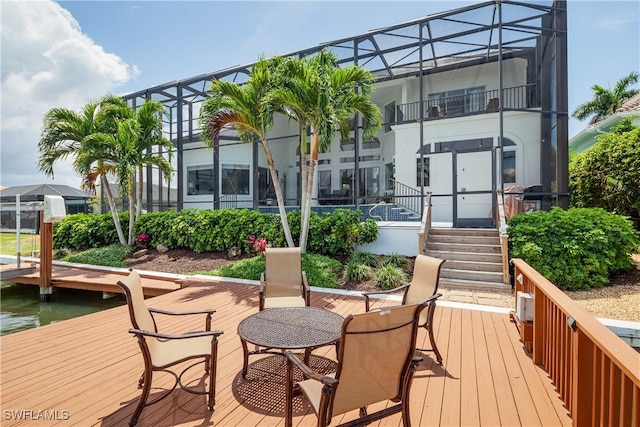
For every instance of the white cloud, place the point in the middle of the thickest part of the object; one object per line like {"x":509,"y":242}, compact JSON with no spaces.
{"x":46,"y":62}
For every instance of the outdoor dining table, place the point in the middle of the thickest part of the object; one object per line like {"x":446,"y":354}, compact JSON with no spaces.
{"x":288,"y":328}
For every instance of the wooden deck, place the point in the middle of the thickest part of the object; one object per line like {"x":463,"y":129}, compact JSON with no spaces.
{"x":84,"y":371}
{"x":96,"y":279}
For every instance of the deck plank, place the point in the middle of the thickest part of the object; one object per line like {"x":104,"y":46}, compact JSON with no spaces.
{"x":89,"y":366}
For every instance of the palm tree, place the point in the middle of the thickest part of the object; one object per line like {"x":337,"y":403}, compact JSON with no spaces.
{"x":318,"y":93}
{"x":64,"y":135}
{"x":245,"y":109}
{"x":606,"y":102}
{"x":149,"y":119}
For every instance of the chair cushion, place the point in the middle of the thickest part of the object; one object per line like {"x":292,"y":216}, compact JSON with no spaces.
{"x":165,"y":353}
{"x":272,"y":302}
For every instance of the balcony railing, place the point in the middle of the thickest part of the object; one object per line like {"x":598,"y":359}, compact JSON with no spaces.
{"x":514,"y":98}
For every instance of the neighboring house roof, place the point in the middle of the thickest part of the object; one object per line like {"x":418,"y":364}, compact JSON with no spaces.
{"x":587,"y":138}
{"x":38,"y":191}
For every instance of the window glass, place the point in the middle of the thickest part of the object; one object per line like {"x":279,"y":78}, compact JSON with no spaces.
{"x":199,"y":180}
{"x":235,"y":179}
{"x":422,"y":172}
{"x":509,"y":167}
{"x":369,"y":183}
{"x":389,"y":116}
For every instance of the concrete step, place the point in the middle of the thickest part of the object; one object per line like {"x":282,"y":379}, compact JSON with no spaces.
{"x":472,"y":275}
{"x":462,"y":247}
{"x":466,"y":256}
{"x":474,"y":285}
{"x":474,"y":265}
{"x":464,"y":231}
{"x":464,"y":239}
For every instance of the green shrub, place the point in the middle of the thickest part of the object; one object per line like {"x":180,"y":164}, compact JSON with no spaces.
{"x":336,"y":233}
{"x":60,"y":253}
{"x":579,"y":248}
{"x":390,"y":276}
{"x":320,"y":270}
{"x":366,"y":258}
{"x":357,"y":272}
{"x":607,"y":175}
{"x":110,"y":256}
{"x":396,"y":260}
{"x":333,"y":234}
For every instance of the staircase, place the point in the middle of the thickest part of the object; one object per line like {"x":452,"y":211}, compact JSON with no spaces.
{"x":474,"y":259}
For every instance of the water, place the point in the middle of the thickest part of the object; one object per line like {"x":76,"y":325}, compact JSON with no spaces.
{"x":21,"y":308}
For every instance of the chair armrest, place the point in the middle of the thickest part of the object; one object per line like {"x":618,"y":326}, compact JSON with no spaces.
{"x":366,"y":295}
{"x":306,"y":291}
{"x":308,"y":372}
{"x":182,"y":313}
{"x":390,"y":291}
{"x":215,"y":333}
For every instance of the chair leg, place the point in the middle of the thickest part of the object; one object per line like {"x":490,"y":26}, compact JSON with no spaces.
{"x":406,"y":416}
{"x":141,"y":381}
{"x":212,"y":374}
{"x":429,"y":325}
{"x":148,"y":375}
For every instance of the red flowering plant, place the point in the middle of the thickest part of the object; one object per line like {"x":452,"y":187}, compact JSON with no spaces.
{"x":258,"y":245}
{"x":142,"y":240}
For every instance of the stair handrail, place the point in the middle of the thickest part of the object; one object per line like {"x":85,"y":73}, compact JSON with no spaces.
{"x":378,"y":217}
{"x":504,"y":236}
{"x":425,"y":226}
{"x":406,"y":197}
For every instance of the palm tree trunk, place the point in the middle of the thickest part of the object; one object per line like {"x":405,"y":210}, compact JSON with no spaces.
{"x":306,"y":211}
{"x":113,"y":208}
{"x":139,"y":196}
{"x":132,"y":204}
{"x":304,"y":173}
{"x":278,"y":190}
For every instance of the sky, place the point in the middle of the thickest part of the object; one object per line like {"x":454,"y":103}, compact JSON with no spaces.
{"x":66,"y":53}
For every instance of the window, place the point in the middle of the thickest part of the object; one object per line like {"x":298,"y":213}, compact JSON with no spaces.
{"x":265,"y":185}
{"x":324,"y":184}
{"x":369,"y":183}
{"x":465,"y":145}
{"x":199,"y":180}
{"x":422,"y":172}
{"x":389,"y":116}
{"x":235,"y":179}
{"x":457,"y":102}
{"x":509,"y":167}
{"x":371,"y":143}
{"x":389,"y":170}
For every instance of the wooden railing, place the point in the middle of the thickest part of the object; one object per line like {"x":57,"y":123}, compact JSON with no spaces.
{"x":596,"y":373}
{"x":501,"y":224}
{"x":425,"y":225}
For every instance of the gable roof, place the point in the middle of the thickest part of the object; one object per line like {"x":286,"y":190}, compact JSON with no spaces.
{"x":38,"y":191}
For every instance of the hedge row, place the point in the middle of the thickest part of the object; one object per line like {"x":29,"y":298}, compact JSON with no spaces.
{"x":579,"y":248}
{"x":332,"y":234}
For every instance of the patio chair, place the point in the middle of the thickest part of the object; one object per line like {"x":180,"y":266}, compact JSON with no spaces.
{"x":162,"y":351}
{"x":283,"y":284}
{"x":424,"y":284}
{"x":376,"y":363}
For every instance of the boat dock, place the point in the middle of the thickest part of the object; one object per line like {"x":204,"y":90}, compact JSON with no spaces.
{"x":96,"y":279}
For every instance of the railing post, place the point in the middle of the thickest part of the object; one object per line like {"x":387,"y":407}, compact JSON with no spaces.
{"x":582,"y":390}
{"x":539,"y":322}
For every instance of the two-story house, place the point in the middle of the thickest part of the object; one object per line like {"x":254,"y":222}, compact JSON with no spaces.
{"x":474,"y":100}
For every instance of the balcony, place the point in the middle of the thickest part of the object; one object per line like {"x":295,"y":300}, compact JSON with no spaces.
{"x":514,"y":98}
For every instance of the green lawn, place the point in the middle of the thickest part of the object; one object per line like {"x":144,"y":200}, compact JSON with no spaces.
{"x":28,"y":243}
